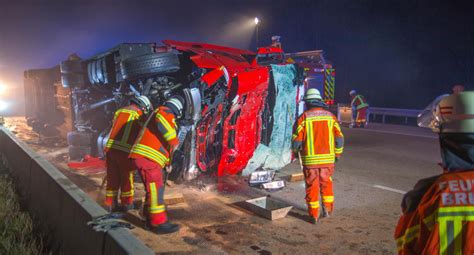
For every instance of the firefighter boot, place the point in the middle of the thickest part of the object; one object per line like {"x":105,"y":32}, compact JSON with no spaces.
{"x":127,"y":207}
{"x":326,"y":213}
{"x":313,"y":220}
{"x":111,"y":208}
{"x":166,"y":228}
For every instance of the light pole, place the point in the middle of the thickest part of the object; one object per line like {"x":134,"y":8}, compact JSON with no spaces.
{"x":256,"y":20}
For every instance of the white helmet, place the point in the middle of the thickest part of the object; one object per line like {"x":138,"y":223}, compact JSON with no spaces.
{"x":143,"y":102}
{"x":312,"y":94}
{"x":176,"y":102}
{"x":352,"y":92}
{"x":455,"y":114}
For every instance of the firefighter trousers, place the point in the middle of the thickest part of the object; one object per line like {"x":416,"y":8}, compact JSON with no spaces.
{"x":152,"y":177}
{"x":319,"y":182}
{"x":361,"y":117}
{"x":119,"y":177}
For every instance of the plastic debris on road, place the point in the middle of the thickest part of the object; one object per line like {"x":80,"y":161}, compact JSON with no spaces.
{"x":260,"y":177}
{"x":109,"y":221}
{"x":274,"y":186}
{"x":89,"y":165}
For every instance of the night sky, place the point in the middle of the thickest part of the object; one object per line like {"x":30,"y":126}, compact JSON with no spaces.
{"x":397,"y":53}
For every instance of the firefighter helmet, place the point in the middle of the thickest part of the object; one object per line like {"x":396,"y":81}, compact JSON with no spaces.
{"x":175,"y":103}
{"x":458,"y":88}
{"x":455,"y":114}
{"x":353,"y":92}
{"x":312,"y":94}
{"x":143,"y":102}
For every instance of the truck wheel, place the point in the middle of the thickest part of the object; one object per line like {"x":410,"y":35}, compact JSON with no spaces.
{"x":76,"y":138}
{"x":78,"y":152}
{"x":101,"y":71}
{"x":150,"y":64}
{"x":102,"y":139}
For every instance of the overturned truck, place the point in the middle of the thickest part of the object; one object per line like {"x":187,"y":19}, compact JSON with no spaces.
{"x":239,"y":111}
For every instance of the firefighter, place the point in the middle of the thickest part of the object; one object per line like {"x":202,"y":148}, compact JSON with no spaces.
{"x":319,"y":140}
{"x":458,"y":88}
{"x":360,"y":109}
{"x":120,"y":171}
{"x":276,"y":41}
{"x":150,"y":154}
{"x":438,"y":214}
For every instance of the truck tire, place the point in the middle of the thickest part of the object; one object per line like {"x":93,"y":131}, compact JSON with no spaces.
{"x":78,"y":152}
{"x":101,"y":71}
{"x":149,"y":64}
{"x":76,"y":138}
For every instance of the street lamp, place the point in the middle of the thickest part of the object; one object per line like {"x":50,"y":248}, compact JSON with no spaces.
{"x":256,"y":20}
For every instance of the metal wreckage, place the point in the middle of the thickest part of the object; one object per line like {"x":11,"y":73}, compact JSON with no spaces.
{"x":239,"y":111}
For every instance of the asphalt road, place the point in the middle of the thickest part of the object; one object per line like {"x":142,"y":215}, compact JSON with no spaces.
{"x":379,"y":164}
{"x":379,"y":161}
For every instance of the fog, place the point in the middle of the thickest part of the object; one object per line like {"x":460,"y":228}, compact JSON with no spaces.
{"x":397,"y":54}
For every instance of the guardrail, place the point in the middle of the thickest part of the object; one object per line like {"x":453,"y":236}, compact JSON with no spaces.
{"x":344,"y":113}
{"x":60,"y":209}
{"x":406,"y":113}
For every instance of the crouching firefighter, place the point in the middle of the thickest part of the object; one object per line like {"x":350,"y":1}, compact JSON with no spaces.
{"x":150,"y":154}
{"x":319,"y":140}
{"x":360,"y":109}
{"x":438,"y":214}
{"x":125,"y":129}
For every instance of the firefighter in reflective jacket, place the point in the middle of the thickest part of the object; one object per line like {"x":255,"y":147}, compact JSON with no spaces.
{"x":150,"y":154}
{"x":125,"y":128}
{"x":360,"y":108}
{"x":320,"y":141}
{"x":438,"y":214}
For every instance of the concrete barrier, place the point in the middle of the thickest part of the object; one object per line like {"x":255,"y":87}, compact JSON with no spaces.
{"x":60,"y":208}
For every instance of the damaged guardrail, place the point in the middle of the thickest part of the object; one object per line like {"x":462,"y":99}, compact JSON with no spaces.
{"x":61,"y":209}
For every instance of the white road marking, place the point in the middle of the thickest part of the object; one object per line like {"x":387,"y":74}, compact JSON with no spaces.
{"x":389,"y":189}
{"x":396,"y":133}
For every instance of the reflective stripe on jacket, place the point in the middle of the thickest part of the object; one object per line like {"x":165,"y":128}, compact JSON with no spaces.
{"x":359,"y":102}
{"x":158,"y":138}
{"x":319,"y":138}
{"x":125,"y":128}
{"x":443,"y":220}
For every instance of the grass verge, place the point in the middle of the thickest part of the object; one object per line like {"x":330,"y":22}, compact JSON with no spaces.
{"x":16,"y":227}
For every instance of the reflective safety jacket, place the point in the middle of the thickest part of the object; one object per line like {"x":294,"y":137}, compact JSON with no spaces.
{"x":358,"y":102}
{"x":158,"y":138}
{"x":125,"y":129}
{"x":438,"y":216}
{"x":319,"y":138}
